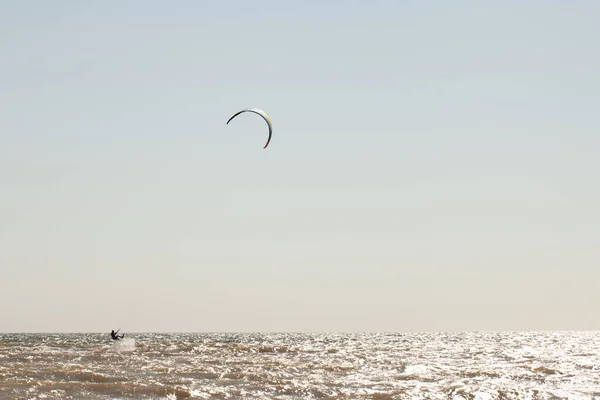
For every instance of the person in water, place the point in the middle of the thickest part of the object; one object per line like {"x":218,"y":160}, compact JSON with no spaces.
{"x":114,"y":335}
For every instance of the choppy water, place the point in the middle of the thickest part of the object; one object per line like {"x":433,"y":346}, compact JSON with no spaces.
{"x":485,"y":366}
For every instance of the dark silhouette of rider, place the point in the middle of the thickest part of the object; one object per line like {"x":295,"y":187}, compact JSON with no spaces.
{"x":114,"y":335}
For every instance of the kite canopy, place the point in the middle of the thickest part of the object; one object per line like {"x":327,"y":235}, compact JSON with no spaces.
{"x":262,"y":114}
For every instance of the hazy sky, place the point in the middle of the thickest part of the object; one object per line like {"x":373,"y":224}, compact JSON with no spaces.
{"x":434,"y":165}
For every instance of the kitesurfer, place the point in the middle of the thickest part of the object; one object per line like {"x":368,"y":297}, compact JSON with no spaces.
{"x":114,"y":335}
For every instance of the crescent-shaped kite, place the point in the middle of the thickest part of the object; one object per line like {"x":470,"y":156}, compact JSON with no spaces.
{"x":262,"y":114}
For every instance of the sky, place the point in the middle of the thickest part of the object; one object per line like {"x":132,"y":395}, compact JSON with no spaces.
{"x":434,"y":166}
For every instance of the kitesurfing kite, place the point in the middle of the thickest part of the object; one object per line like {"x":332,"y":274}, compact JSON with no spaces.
{"x":262,"y":114}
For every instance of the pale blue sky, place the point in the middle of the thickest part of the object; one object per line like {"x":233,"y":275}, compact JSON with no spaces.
{"x":434,"y":165}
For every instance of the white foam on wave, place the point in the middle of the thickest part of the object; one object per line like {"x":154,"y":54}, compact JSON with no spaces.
{"x":415,"y":369}
{"x":125,"y":344}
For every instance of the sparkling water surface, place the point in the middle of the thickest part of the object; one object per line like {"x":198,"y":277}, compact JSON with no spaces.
{"x":484,"y":365}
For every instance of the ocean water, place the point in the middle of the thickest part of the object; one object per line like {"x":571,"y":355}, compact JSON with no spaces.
{"x":484,"y":366}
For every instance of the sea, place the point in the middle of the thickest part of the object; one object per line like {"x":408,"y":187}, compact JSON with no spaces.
{"x":461,"y":365}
